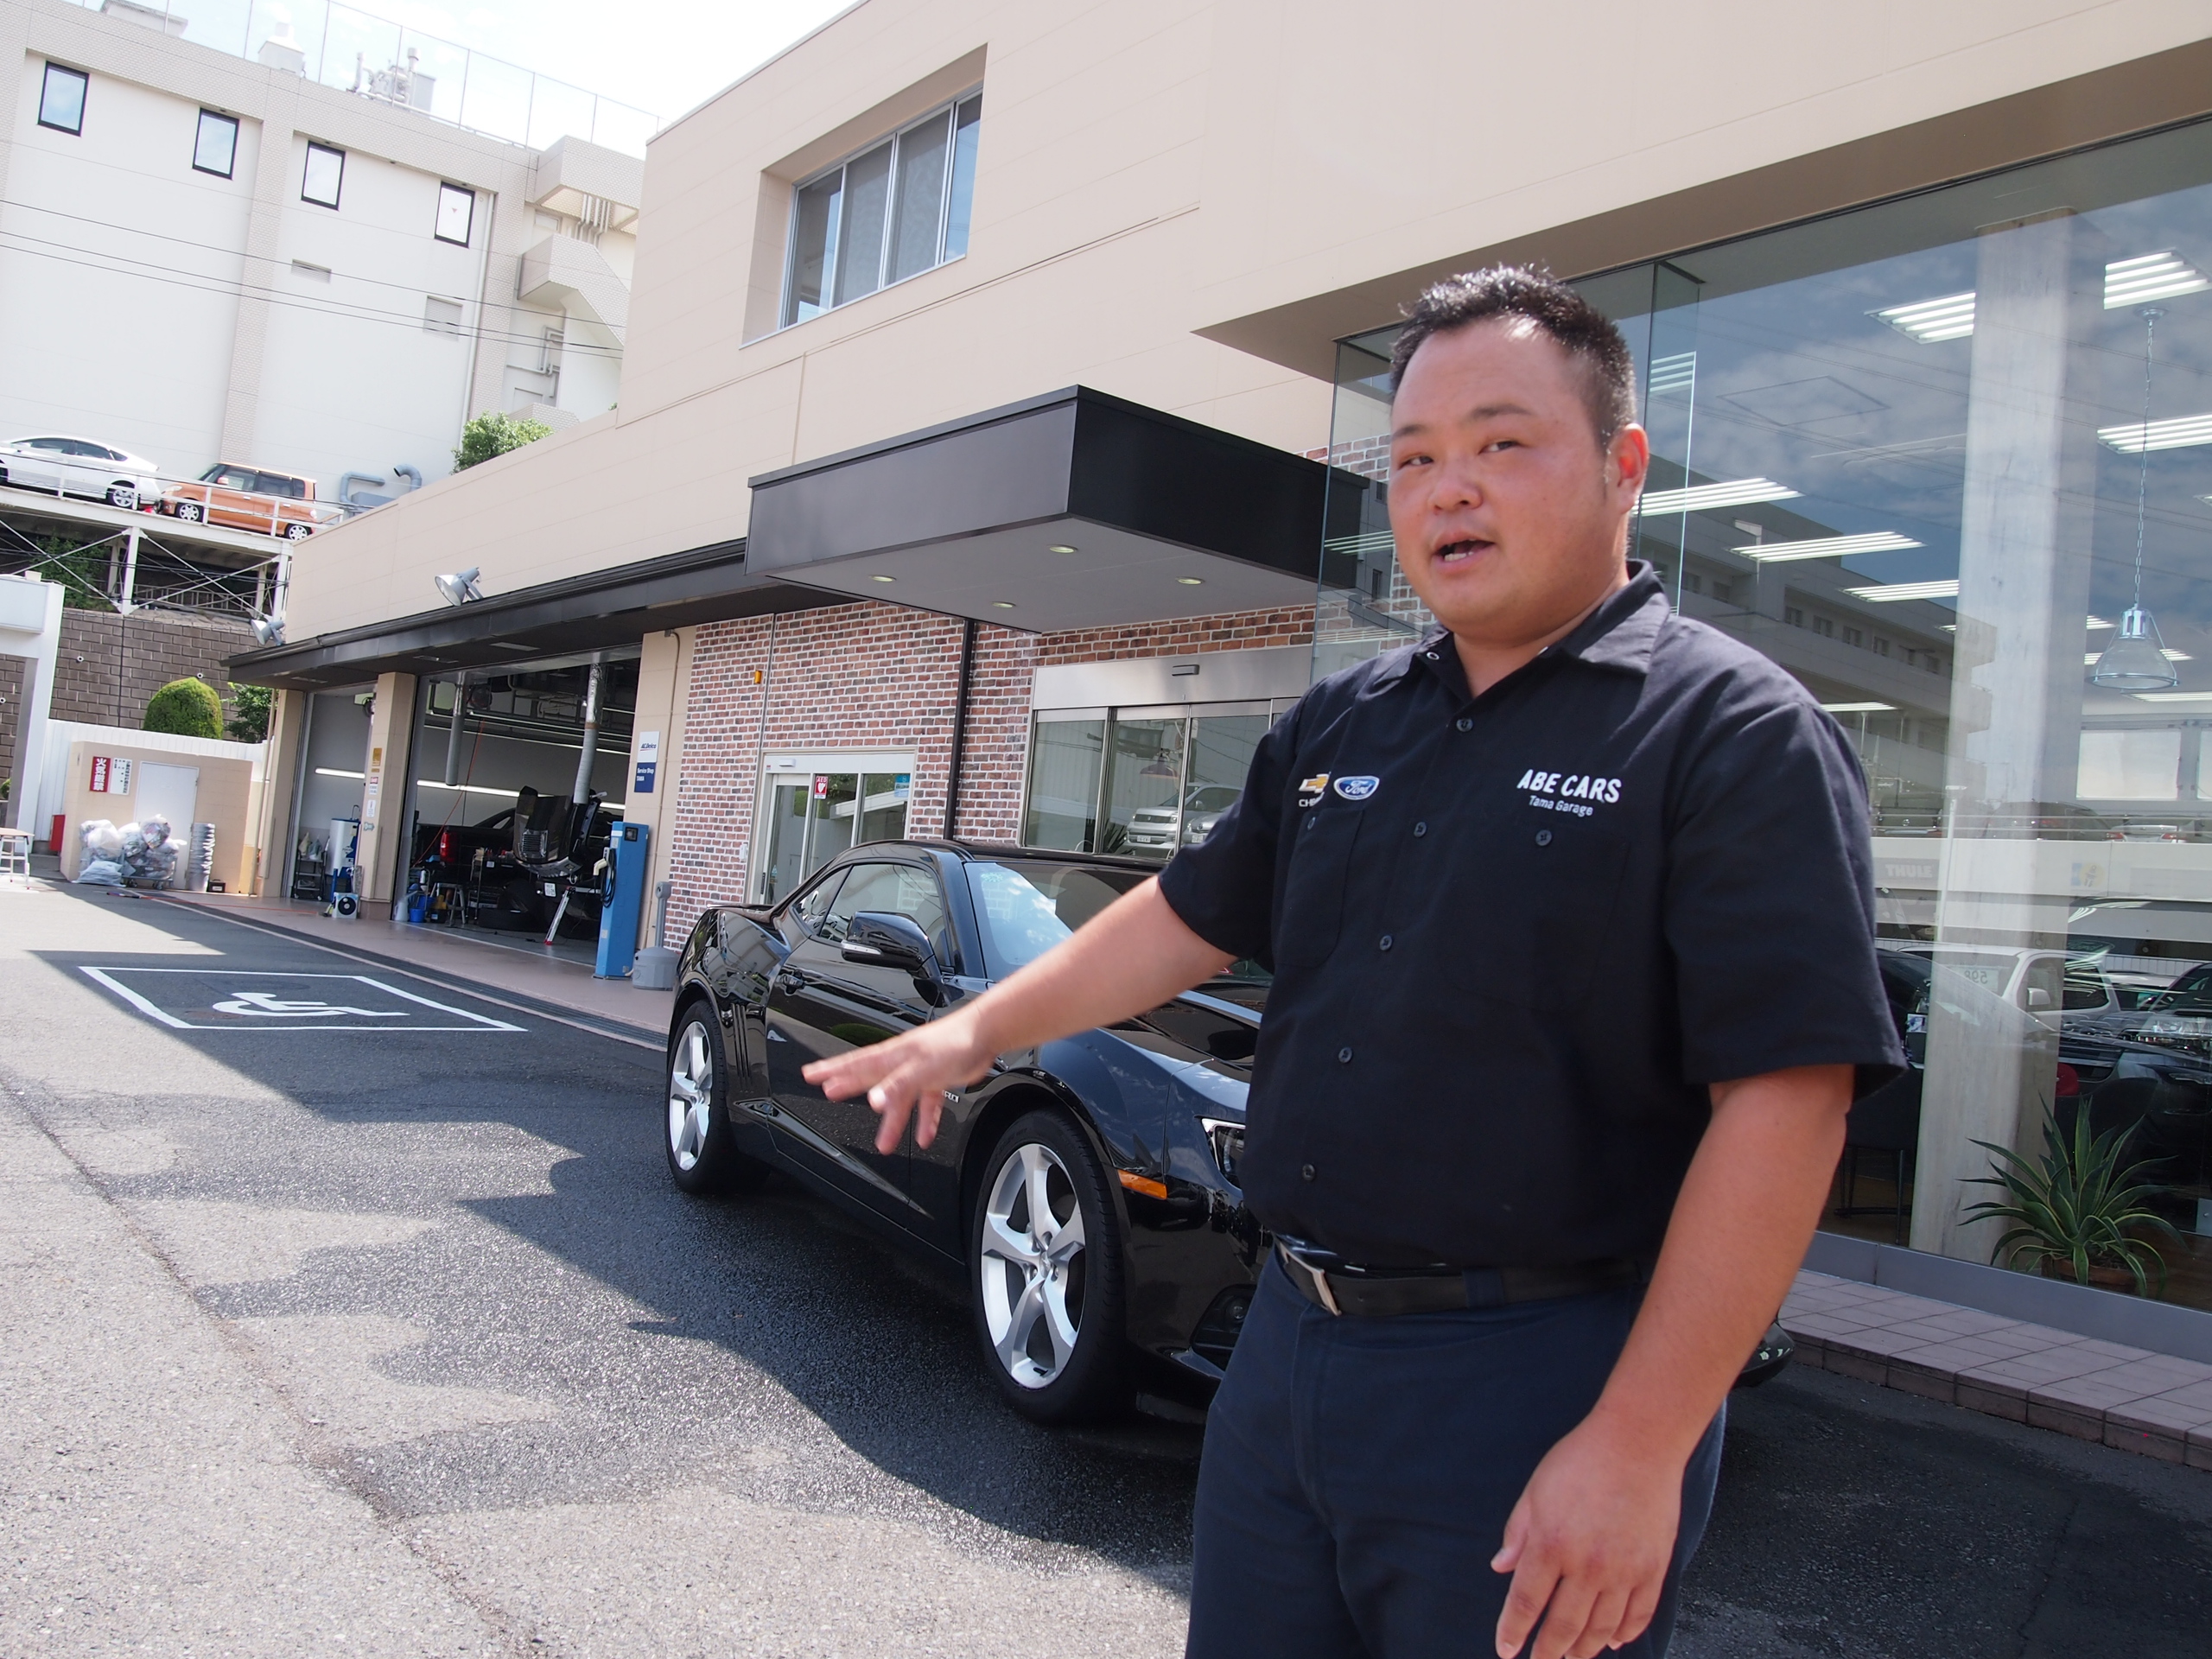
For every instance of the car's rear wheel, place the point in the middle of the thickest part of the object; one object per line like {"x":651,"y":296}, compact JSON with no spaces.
{"x":125,"y":496}
{"x":191,"y":511}
{"x":298,"y":533}
{"x":1045,"y":1274}
{"x":702,"y":1145}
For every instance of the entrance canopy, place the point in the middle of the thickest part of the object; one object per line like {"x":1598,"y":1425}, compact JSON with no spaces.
{"x":1073,"y":510}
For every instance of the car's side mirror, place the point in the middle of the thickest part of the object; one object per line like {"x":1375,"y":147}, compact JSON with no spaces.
{"x":2037,"y":998}
{"x":887,"y":940}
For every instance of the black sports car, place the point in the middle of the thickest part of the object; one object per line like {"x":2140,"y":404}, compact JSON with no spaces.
{"x":1087,"y":1189}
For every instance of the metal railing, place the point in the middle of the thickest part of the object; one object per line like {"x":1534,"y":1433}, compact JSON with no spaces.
{"x":356,"y":51}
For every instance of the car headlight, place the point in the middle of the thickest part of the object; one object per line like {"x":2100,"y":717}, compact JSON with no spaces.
{"x":1227,"y":1141}
{"x":2191,"y":1031}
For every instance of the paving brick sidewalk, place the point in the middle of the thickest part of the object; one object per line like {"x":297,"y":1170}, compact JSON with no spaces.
{"x":2123,"y":1397}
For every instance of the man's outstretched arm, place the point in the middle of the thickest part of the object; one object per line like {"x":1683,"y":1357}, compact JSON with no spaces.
{"x":1589,"y":1543}
{"x":1132,"y":956}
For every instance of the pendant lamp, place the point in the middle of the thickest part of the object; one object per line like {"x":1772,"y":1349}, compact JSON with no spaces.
{"x":2136,"y":660}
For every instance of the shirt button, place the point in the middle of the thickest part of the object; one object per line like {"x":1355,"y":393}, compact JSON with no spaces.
{"x":1344,"y":1057}
{"x":1386,"y":942}
{"x":1421,"y":829}
{"x":1543,"y":837}
{"x":1306,"y":1172}
{"x":1465,"y":722}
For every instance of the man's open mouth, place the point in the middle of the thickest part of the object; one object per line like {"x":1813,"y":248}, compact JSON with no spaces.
{"x":1459,"y":552}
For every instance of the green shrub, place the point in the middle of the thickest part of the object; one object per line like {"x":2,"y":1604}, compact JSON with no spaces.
{"x":491,"y":435}
{"x":187,"y":707}
{"x":254,"y":704}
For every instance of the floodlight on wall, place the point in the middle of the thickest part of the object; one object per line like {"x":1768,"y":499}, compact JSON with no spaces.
{"x":2136,"y":659}
{"x":460,"y":588}
{"x":269,"y":630}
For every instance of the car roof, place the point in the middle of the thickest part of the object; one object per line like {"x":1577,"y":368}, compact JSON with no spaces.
{"x":991,"y":851}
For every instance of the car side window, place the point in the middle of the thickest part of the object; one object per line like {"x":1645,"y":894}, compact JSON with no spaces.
{"x":233,"y":478}
{"x":58,"y":446}
{"x":2085,"y":987}
{"x":277,"y":484}
{"x":901,"y":889}
{"x":814,"y":903}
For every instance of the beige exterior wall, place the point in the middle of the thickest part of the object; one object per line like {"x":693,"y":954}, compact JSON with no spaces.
{"x":226,"y":799}
{"x":664,"y":684}
{"x":1152,"y":169}
{"x":384,"y":789}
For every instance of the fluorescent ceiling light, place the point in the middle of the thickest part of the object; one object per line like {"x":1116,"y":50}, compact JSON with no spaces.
{"x":332,"y":771}
{"x":2099,"y":622}
{"x":1827,"y":547}
{"x":1887,"y":593}
{"x":1860,"y":707}
{"x":465,"y":788}
{"x":2173,"y":696}
{"x":2136,"y":436}
{"x":1675,"y":373}
{"x":2150,"y":276}
{"x":1927,"y":320}
{"x":1704,"y":497}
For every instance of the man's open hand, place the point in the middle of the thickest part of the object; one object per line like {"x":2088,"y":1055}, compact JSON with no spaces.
{"x":1590,"y":1541}
{"x":917,"y":1068}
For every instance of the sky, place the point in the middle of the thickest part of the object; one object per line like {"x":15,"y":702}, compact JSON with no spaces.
{"x":663,"y":55}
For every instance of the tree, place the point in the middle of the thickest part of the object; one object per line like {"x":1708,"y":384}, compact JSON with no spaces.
{"x":254,"y":704}
{"x":187,"y":708}
{"x":491,"y":435}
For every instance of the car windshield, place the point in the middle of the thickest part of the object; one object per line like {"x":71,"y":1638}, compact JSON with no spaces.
{"x":1214,"y":797}
{"x":1024,"y":908}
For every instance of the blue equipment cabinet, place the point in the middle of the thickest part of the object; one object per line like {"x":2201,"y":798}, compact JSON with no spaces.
{"x":626,"y":872}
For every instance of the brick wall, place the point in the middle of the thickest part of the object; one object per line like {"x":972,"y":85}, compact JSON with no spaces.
{"x":877,"y":677}
{"x":108,"y":665}
{"x":13,"y":671}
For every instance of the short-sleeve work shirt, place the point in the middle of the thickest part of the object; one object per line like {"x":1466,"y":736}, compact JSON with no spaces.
{"x":1515,"y":936}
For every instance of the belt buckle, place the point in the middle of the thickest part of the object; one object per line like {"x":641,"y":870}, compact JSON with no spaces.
{"x":1320,"y":1280}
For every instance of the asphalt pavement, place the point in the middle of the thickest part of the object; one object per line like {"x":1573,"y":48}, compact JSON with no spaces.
{"x":347,"y":1310}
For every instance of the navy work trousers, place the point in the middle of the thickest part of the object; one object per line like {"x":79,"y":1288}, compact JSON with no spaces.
{"x":1359,"y":1473}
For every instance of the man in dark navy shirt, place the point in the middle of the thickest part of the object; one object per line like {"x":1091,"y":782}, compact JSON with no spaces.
{"x":1570,"y":911}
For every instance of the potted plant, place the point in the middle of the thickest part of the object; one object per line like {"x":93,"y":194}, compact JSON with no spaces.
{"x":2076,"y":1217}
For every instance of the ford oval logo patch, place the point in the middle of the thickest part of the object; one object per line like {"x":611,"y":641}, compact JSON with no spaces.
{"x":1357,"y":789}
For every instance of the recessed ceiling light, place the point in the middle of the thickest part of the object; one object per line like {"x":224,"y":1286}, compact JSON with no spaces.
{"x":1926,"y":321}
{"x":2099,"y":622}
{"x":1859,"y":708}
{"x":1001,"y":604}
{"x":883,"y":578}
{"x":2173,"y":696}
{"x":1888,"y":593}
{"x":1059,"y":547}
{"x":2181,"y":433}
{"x":2150,"y":276}
{"x":1827,"y":547}
{"x":1704,"y":497}
{"x":1191,"y":582}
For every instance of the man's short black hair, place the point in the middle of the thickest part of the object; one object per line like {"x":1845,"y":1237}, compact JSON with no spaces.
{"x":1586,"y":333}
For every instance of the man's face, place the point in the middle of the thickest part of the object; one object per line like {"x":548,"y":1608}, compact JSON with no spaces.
{"x":1508,"y":515}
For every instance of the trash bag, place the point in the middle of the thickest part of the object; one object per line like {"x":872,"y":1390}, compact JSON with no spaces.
{"x":100,"y":839}
{"x":102,"y":872}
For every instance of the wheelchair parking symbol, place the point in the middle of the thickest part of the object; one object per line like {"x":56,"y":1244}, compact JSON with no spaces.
{"x":231,"y":999}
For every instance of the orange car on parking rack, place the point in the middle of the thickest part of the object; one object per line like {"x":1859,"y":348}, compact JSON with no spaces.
{"x":247,"y":497}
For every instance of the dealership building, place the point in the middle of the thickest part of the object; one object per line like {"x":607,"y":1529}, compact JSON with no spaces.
{"x":999,"y":450}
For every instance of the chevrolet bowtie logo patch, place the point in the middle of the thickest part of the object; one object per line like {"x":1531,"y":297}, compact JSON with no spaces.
{"x":1311,"y":791}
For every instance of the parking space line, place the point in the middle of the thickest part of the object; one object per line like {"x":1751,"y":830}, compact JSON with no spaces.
{"x":291,"y":1016}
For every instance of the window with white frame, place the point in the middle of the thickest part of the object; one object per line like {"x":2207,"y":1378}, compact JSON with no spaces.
{"x":456,"y":212}
{"x":894,"y":210}
{"x":215,"y":148}
{"x":61,"y":99}
{"x":325,"y":175}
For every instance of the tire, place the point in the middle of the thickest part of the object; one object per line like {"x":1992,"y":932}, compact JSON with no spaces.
{"x":298,"y":533}
{"x":702,"y":1145}
{"x":1049,"y":1309}
{"x":125,"y":496}
{"x":191,"y":511}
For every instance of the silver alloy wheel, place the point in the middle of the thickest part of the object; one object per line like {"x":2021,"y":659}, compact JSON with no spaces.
{"x":1031,"y":1261}
{"x":691,"y":1096}
{"x":190,"y":511}
{"x":122,"y":495}
{"x":297,"y":532}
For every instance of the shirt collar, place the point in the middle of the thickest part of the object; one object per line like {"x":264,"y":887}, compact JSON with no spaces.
{"x":1621,"y":633}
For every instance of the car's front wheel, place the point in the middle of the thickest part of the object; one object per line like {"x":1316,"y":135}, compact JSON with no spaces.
{"x":191,"y":511}
{"x":1045,"y":1265}
{"x":125,"y":496}
{"x":298,"y":533}
{"x":701,"y":1143}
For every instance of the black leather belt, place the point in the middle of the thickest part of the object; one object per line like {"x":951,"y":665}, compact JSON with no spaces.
{"x":1340,"y":1287}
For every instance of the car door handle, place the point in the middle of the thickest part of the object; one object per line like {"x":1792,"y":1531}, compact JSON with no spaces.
{"x":790,"y":983}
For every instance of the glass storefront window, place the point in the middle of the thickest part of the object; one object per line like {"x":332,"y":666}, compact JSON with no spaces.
{"x":1949,"y":461}
{"x":1161,"y":782}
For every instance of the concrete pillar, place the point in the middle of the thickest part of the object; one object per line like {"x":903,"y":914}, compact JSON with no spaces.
{"x":664,"y":689}
{"x":2016,"y":696}
{"x":274,"y":832}
{"x":384,"y":828}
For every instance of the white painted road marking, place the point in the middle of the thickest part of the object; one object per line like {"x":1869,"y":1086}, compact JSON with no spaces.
{"x":237,"y":995}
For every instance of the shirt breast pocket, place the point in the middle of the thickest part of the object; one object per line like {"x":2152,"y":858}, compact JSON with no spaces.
{"x":1313,"y":894}
{"x":1534,"y":912}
